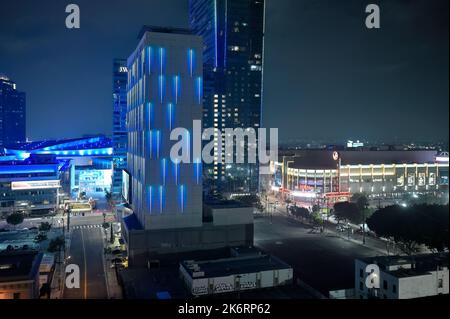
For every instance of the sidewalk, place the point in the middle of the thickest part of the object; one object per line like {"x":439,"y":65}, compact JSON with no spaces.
{"x":59,"y":275}
{"x":371,"y":243}
{"x":111,"y":277}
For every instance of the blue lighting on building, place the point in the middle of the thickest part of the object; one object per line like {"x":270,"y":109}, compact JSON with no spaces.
{"x":170,"y":115}
{"x":176,"y":88}
{"x":162,"y":60}
{"x":161,"y":199}
{"x":198,"y":170}
{"x":163,"y":171}
{"x":216,"y":61}
{"x":158,"y":143}
{"x":191,"y":61}
{"x":150,"y":194}
{"x":71,"y":147}
{"x":162,"y":87}
{"x":149,"y":59}
{"x":199,"y":89}
{"x":182,"y":197}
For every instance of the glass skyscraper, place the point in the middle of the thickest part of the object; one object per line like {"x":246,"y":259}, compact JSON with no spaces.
{"x":233,"y":36}
{"x":12,"y":113}
{"x":120,"y":79}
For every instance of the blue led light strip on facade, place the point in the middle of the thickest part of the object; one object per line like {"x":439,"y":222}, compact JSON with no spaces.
{"x":216,"y":61}
{"x":149,"y":53}
{"x":198,"y":169}
{"x":170,"y":115}
{"x":199,"y":89}
{"x":158,"y":143}
{"x":150,"y":194}
{"x":161,"y":199}
{"x":163,"y":170}
{"x":162,"y":60}
{"x":182,"y":197}
{"x":191,"y":61}
{"x":176,"y":87}
{"x":161,"y":88}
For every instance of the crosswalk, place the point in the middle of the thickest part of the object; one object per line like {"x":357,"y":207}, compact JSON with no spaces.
{"x":86,"y":226}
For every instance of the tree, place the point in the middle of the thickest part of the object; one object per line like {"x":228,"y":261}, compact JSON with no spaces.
{"x":109,"y":198}
{"x":361,"y":200}
{"x":348,"y":212}
{"x":410,"y":227}
{"x":251,"y":200}
{"x":56,"y":244}
{"x":15,"y":219}
{"x":111,"y":239}
{"x":317,"y":219}
{"x":299,"y":212}
{"x":45,"y":226}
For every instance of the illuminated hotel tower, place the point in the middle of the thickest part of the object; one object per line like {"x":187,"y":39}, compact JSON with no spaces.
{"x":165,"y":87}
{"x":233,"y":46}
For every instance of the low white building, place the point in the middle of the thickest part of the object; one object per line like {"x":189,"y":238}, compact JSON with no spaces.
{"x":245,"y":271}
{"x":402,"y":277}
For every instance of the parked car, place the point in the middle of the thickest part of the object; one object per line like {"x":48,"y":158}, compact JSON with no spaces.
{"x":342,"y":228}
{"x":40,"y":237}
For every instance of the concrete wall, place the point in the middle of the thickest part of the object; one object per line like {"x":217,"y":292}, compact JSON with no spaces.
{"x":144,"y":245}
{"x":232,"y":216}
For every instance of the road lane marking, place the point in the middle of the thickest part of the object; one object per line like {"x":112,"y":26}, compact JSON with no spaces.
{"x":85,"y":265}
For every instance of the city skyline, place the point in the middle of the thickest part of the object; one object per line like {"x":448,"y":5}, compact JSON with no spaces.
{"x":410,"y":77}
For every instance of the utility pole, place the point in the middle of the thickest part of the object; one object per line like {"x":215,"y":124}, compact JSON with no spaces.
{"x":364,"y":226}
{"x":68,"y":220}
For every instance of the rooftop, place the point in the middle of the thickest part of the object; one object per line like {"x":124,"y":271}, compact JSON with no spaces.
{"x":19,"y":265}
{"x":150,"y":28}
{"x":409,"y":266}
{"x":324,"y":159}
{"x":233,"y":266}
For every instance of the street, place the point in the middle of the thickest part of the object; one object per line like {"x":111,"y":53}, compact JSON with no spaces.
{"x":323,"y":261}
{"x":86,"y":251}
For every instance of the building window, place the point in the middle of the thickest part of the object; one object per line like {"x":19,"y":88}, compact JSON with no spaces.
{"x":441,"y":283}
{"x":385,"y":285}
{"x":394,"y":289}
{"x":16,"y":295}
{"x":361,"y":273}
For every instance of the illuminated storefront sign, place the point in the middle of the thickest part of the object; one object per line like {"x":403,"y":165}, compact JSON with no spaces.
{"x":35,"y":185}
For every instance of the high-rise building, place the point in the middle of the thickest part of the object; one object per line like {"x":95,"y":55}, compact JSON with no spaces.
{"x":12,"y":113}
{"x":233,"y":35}
{"x":164,"y":93}
{"x":120,"y":136}
{"x":164,"y":194}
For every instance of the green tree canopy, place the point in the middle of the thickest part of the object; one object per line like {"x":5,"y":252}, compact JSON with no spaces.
{"x":348,"y":211}
{"x":412,"y":226}
{"x":45,"y":226}
{"x":15,"y":219}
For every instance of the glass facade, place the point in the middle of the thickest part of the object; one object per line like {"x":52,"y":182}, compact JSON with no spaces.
{"x":120,"y":79}
{"x":233,"y":33}
{"x":12,"y":113}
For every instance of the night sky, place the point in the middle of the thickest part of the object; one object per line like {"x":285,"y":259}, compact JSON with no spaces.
{"x":326,"y":75}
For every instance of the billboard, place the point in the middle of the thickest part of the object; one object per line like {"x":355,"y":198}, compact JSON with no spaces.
{"x":126,"y":190}
{"x":35,"y":185}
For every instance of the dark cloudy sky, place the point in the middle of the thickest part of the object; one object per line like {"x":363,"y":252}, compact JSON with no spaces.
{"x":326,"y":75}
